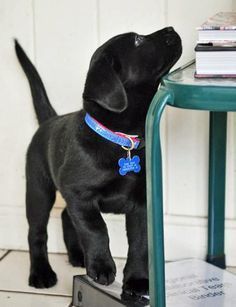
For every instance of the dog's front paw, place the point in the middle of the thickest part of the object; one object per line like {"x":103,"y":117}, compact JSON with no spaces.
{"x":101,"y":271}
{"x":136,"y":287}
{"x":43,"y":277}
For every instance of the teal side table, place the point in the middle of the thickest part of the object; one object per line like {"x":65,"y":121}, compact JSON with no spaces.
{"x":180,"y":89}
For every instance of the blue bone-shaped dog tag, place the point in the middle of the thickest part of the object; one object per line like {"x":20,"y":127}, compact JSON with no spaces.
{"x":129,"y":165}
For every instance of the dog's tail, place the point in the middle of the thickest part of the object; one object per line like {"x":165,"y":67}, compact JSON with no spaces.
{"x":42,"y":105}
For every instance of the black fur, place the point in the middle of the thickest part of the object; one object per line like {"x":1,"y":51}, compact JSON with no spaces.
{"x":66,"y":155}
{"x":43,"y":108}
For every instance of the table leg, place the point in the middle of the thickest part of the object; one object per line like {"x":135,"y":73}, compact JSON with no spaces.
{"x":155,"y":199}
{"x":216,"y":209}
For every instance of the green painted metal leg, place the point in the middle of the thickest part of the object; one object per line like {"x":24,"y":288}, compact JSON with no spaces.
{"x":216,"y":213}
{"x":155,"y":199}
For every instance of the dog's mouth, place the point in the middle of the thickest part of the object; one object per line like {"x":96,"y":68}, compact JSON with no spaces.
{"x":175,"y":54}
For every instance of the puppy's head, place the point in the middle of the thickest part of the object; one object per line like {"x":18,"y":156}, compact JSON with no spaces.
{"x":127,"y":61}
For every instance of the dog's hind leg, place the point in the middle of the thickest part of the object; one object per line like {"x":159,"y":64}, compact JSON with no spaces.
{"x":40,"y":197}
{"x":75,"y":253}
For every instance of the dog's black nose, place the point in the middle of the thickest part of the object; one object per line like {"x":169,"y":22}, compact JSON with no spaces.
{"x":169,"y":29}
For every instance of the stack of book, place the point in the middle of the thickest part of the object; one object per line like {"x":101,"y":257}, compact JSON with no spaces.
{"x":216,"y":47}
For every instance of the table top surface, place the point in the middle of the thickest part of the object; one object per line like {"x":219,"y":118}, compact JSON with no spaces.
{"x":185,"y":76}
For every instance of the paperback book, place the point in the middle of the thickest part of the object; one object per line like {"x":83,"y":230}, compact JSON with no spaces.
{"x":221,"y":26}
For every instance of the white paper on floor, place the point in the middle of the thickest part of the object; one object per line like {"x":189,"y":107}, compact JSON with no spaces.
{"x":193,"y":283}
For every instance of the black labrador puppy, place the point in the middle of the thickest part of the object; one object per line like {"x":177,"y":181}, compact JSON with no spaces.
{"x":96,"y":168}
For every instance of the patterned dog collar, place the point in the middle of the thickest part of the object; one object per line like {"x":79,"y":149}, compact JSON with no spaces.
{"x":118,"y":138}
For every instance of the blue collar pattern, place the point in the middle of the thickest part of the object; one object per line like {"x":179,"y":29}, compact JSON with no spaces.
{"x":118,"y":138}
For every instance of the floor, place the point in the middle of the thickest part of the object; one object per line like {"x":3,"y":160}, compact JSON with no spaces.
{"x":14,"y":290}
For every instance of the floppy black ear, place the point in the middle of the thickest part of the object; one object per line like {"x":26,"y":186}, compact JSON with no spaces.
{"x":104,"y":87}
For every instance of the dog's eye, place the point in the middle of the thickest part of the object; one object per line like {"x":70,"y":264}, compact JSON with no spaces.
{"x":139,"y":39}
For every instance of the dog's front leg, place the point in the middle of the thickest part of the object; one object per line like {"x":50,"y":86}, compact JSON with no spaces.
{"x":92,"y":231}
{"x":136,"y":270}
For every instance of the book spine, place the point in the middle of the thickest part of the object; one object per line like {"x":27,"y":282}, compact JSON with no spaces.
{"x":212,"y":48}
{"x":202,"y":76}
{"x":218,"y":28}
{"x":218,"y":43}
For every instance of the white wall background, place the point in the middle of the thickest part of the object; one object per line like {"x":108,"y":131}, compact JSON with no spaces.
{"x":60,"y":37}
